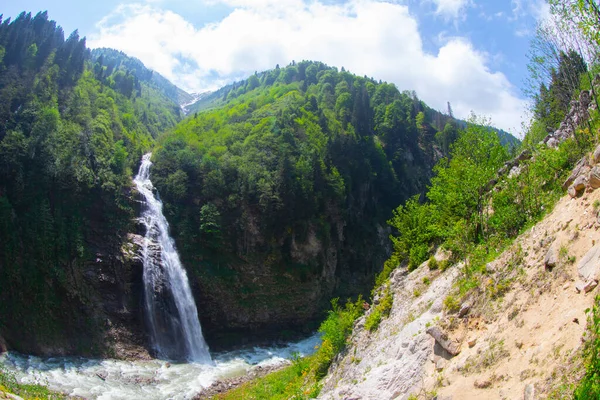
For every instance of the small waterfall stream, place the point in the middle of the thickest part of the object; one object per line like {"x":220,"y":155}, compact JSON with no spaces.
{"x":170,"y":308}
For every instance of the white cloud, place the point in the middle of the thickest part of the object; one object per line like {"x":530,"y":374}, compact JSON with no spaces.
{"x":451,"y":8}
{"x":367,"y":37}
{"x":538,"y":9}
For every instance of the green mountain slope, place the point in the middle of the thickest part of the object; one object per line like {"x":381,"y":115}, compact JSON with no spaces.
{"x":156,"y":100}
{"x":278,"y":194}
{"x":68,"y":145}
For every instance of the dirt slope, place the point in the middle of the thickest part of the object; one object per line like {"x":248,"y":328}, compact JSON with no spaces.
{"x":522,"y":341}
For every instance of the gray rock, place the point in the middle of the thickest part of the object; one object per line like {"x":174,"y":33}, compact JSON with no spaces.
{"x":552,"y":143}
{"x":525,"y":155}
{"x":437,"y":306}
{"x":589,"y":264}
{"x":580,"y":183}
{"x":597,"y":155}
{"x":529,"y":392}
{"x":464,"y":310}
{"x":443,"y":340}
{"x":551,"y":259}
{"x":546,"y":241}
{"x":594,"y":178}
{"x":590,"y":285}
{"x":515,"y":171}
{"x":581,"y":168}
{"x":440,"y":364}
{"x":572,"y":192}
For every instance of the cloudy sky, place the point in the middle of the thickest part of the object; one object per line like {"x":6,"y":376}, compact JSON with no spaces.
{"x":470,"y":53}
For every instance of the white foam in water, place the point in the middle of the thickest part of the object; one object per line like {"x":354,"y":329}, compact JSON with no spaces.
{"x":148,"y":380}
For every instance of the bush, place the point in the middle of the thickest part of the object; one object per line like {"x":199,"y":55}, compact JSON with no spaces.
{"x":418,"y":254}
{"x":335,"y":329}
{"x":380,"y":311}
{"x":451,"y":304}
{"x":432,"y":263}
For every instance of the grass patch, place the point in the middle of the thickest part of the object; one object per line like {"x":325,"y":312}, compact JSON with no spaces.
{"x":9,"y":384}
{"x":589,"y":386}
{"x":381,"y":310}
{"x":301,"y":379}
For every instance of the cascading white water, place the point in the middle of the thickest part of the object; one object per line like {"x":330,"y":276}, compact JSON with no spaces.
{"x":170,"y":308}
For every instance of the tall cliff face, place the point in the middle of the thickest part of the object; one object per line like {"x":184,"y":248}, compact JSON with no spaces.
{"x":278,"y":197}
{"x":70,"y":134}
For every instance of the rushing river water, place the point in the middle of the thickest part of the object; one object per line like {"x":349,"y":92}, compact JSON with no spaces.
{"x":148,"y":380}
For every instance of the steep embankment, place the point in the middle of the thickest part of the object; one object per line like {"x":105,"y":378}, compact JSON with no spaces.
{"x":526,"y":339}
{"x":518,"y":334}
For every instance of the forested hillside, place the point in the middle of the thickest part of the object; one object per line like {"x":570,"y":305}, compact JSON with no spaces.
{"x":279,"y":191}
{"x":69,"y":139}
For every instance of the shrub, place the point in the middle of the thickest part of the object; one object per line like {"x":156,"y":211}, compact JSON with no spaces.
{"x":335,"y":329}
{"x":589,"y":387}
{"x":418,"y":254}
{"x":380,"y":311}
{"x":451,"y":304}
{"x":432,"y":263}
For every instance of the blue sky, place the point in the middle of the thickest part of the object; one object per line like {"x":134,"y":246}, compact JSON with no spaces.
{"x":468,"y":52}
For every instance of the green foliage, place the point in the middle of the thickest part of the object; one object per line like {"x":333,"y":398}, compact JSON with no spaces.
{"x":381,"y":310}
{"x":301,"y":379}
{"x":589,"y":386}
{"x":451,"y":304}
{"x":68,"y":144}
{"x":311,"y":154}
{"x":455,"y":213}
{"x":433,"y":263}
{"x":335,"y":330}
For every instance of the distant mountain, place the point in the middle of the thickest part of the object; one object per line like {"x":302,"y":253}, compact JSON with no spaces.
{"x":158,"y":101}
{"x":114,"y":59}
{"x":438,"y":120}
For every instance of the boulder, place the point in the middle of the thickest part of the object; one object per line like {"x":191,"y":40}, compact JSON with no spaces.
{"x":572,"y":192}
{"x":589,"y":265}
{"x":443,"y":340}
{"x":580,"y":182}
{"x":578,"y":186}
{"x":464,"y":310}
{"x":515,"y":171}
{"x":597,"y":155}
{"x":594,"y":178}
{"x":551,"y":259}
{"x":590,"y":285}
{"x":525,"y":155}
{"x":581,"y":168}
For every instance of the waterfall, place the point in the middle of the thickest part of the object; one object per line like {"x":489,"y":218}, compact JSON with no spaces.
{"x":171,"y":312}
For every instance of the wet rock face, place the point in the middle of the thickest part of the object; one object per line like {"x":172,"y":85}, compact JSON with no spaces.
{"x":261,"y":296}
{"x":115,"y":275}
